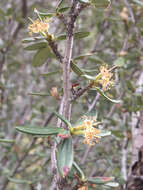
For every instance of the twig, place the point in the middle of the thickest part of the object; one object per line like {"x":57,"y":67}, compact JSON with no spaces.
{"x":54,"y":48}
{"x":81,"y":92}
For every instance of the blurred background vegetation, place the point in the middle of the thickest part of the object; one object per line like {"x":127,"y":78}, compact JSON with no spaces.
{"x":116,"y":39}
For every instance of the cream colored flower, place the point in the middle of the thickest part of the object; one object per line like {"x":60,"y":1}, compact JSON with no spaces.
{"x":106,"y":76}
{"x":39,"y":26}
{"x":90,"y":132}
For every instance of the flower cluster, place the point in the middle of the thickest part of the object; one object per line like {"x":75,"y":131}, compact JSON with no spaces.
{"x":89,"y":130}
{"x":104,"y":78}
{"x":39,"y":26}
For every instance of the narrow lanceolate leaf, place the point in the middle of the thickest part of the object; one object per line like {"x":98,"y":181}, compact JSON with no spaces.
{"x":19,"y":181}
{"x":51,"y":73}
{"x":138,"y":2}
{"x":89,"y":71}
{"x":35,"y":130}
{"x":89,"y":77}
{"x":84,"y":1}
{"x":100,"y":180}
{"x":60,"y":3}
{"x":78,"y":169}
{"x":76,"y":69}
{"x":83,"y":56}
{"x":104,"y":95}
{"x":44,"y":13}
{"x":104,"y":133}
{"x":41,"y":57}
{"x":65,"y":156}
{"x":39,"y":94}
{"x":36,"y":46}
{"x":112,"y":184}
{"x":77,"y":35}
{"x":63,"y":119}
{"x":23,"y":181}
{"x":63,"y":9}
{"x":7,"y":140}
{"x":33,"y":39}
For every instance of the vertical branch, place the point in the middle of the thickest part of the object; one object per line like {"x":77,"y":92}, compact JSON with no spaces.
{"x":67,"y":59}
{"x":124,"y":152}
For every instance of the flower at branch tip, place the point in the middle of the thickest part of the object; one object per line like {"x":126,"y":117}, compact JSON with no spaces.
{"x":90,"y":132}
{"x":104,"y":78}
{"x":39,"y":26}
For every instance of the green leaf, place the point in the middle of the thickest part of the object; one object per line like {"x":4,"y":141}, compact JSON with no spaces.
{"x":100,"y":4}
{"x":36,"y":130}
{"x":44,"y":14}
{"x":7,"y":140}
{"x":65,"y":156}
{"x":117,"y":133}
{"x":119,"y":62}
{"x":36,"y":46}
{"x":63,"y":9}
{"x":83,"y":56}
{"x":138,"y":2}
{"x":89,"y":77}
{"x":23,"y":181}
{"x":102,"y":94}
{"x":104,"y":133}
{"x":33,"y":39}
{"x":77,"y":35}
{"x":63,"y":119}
{"x":84,"y":1}
{"x":51,"y":73}
{"x":78,"y":169}
{"x":112,"y":184}
{"x":76,"y":69}
{"x":19,"y":181}
{"x":89,"y":71}
{"x":59,"y":5}
{"x":38,"y":94}
{"x":41,"y":57}
{"x":100,"y":180}
{"x":97,"y":59}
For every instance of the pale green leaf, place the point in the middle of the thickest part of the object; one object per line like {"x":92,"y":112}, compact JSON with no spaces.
{"x":112,"y":184}
{"x":104,"y":133}
{"x":33,"y":39}
{"x":7,"y":140}
{"x":41,"y":57}
{"x":89,"y":77}
{"x":63,"y":119}
{"x":138,"y":2}
{"x":77,"y":35}
{"x":106,"y":97}
{"x":65,"y":156}
{"x":76,"y":69}
{"x":36,"y":46}
{"x":36,"y":130}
